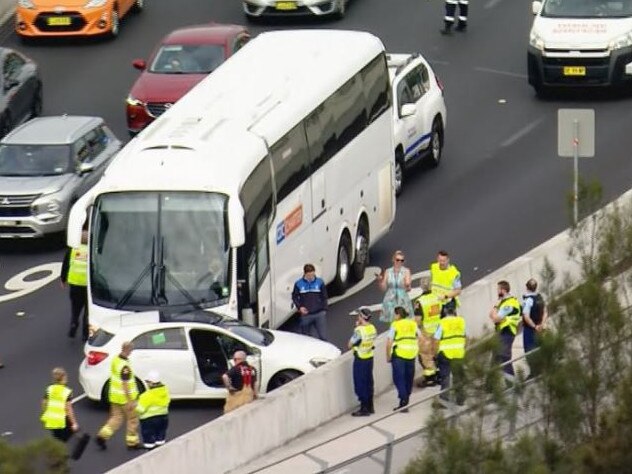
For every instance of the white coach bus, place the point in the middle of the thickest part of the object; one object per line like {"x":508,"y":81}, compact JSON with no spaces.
{"x":280,"y":157}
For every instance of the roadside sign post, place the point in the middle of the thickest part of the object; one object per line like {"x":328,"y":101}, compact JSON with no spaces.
{"x":576,"y":139}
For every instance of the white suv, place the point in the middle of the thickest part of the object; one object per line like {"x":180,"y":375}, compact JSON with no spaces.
{"x":419,"y":117}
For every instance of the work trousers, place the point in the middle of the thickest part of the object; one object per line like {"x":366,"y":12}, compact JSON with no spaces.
{"x":403,"y":375}
{"x":450,"y":12}
{"x":239,"y":398}
{"x":427,"y":352}
{"x":452,"y":374}
{"x":503,"y":353}
{"x":363,"y":379}
{"x":118,"y":413}
{"x":79,"y":308}
{"x":530,"y":340}
{"x":154,"y":430}
{"x":317,"y":320}
{"x":62,"y":434}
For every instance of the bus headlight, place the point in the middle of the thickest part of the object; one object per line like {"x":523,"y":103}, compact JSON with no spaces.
{"x":536,"y":41}
{"x":622,"y":41}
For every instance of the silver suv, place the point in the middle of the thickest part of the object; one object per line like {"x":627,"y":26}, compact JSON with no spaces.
{"x":45,"y":166}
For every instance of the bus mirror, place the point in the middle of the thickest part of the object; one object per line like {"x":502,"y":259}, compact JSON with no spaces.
{"x":76,"y":220}
{"x":236,"y":222}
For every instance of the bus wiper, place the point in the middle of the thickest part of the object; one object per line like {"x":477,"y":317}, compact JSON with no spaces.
{"x":158,"y":295}
{"x":147,"y":270}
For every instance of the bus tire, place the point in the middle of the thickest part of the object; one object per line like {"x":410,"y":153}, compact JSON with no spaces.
{"x":361,"y":259}
{"x":343,"y":265}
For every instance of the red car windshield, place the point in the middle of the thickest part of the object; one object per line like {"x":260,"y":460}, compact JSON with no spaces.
{"x":187,"y":59}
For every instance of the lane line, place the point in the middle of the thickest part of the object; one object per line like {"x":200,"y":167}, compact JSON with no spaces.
{"x":502,"y":73}
{"x":521,"y":133}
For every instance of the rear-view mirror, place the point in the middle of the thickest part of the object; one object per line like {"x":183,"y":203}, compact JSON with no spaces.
{"x":139,"y":64}
{"x":84,"y":168}
{"x":536,"y":7}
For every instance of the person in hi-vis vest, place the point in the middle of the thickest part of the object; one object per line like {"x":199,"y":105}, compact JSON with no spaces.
{"x":74,"y":273}
{"x":58,"y":416}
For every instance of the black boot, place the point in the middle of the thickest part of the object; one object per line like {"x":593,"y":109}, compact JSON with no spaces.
{"x":462,"y":26}
{"x":370,"y":406}
{"x":447,"y":28}
{"x":363,"y":411}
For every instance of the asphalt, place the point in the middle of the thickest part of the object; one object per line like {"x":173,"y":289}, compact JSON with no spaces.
{"x":500,"y":190}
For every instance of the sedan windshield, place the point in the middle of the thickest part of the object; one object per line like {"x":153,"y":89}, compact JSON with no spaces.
{"x":158,"y":249}
{"x":187,"y":59}
{"x":34,"y":160}
{"x":587,"y":8}
{"x":260,"y":337}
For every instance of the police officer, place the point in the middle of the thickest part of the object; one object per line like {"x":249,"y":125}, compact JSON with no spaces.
{"x":362,"y":342}
{"x":402,"y":348}
{"x":57,"y":414}
{"x":506,"y":315}
{"x":534,"y":316}
{"x":122,"y":396}
{"x":451,"y":336}
{"x":153,"y":411}
{"x":427,"y":314}
{"x":445,"y":279}
{"x":74,"y":271}
{"x":450,"y":12}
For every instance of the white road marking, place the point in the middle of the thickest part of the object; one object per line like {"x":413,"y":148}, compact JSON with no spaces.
{"x":491,"y":4}
{"x":521,"y":133}
{"x":79,"y":398}
{"x":502,"y":73}
{"x":21,"y":285}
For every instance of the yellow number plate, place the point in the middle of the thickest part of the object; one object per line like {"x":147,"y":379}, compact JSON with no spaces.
{"x":574,"y":71}
{"x":286,"y":6}
{"x":59,"y":21}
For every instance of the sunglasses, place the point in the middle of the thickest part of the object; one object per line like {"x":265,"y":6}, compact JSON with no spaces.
{"x":399,"y":259}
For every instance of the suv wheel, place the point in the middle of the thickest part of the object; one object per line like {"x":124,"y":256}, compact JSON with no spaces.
{"x":436,"y":144}
{"x":399,"y":172}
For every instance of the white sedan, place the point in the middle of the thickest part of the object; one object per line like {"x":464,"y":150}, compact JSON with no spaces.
{"x":192,"y":351}
{"x":271,"y":8}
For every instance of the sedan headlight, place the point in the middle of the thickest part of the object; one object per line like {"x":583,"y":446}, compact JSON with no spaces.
{"x":46,"y":209}
{"x":26,"y":4}
{"x":536,"y":41}
{"x":318,"y":361}
{"x":622,"y":41}
{"x":134,"y":102}
{"x":96,"y":3}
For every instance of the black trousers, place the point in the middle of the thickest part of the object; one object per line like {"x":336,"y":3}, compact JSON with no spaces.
{"x":62,"y":434}
{"x":79,"y":309}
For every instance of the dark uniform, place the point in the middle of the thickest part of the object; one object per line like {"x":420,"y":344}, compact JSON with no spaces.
{"x":362,"y":342}
{"x":450,"y":15}
{"x":74,"y":273}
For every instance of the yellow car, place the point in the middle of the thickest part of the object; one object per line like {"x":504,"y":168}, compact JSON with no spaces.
{"x":38,"y":18}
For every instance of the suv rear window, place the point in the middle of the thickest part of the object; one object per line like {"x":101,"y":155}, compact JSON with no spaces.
{"x":100,"y":338}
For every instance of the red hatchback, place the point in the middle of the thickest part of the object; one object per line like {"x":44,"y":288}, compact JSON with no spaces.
{"x":182,"y":59}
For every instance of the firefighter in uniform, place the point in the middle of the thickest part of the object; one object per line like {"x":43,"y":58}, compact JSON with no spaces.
{"x":445,"y":280}
{"x":122,"y":396}
{"x":402,"y":348}
{"x":153,"y":411}
{"x":362,"y":342}
{"x":74,"y":272}
{"x":427,"y":314}
{"x":57,"y":414}
{"x":451,"y":336}
{"x":450,"y":12}
{"x":506,"y":315}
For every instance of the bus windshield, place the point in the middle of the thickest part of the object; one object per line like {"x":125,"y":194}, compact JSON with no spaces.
{"x":157,"y":249}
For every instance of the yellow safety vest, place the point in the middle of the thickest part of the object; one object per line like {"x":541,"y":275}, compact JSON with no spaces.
{"x":442,"y":281}
{"x":153,"y":402}
{"x":512,"y":320}
{"x":78,"y":268}
{"x":452,"y":342}
{"x":431,"y":309}
{"x":405,"y":342}
{"x":364,"y":350}
{"x":54,"y":416}
{"x":117,"y":394}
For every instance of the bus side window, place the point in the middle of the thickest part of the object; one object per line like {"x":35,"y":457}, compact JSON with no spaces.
{"x":376,"y":87}
{"x":290,"y":161}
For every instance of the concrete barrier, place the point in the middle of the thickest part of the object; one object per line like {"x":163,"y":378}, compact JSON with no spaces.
{"x":7,"y":10}
{"x":320,"y":396}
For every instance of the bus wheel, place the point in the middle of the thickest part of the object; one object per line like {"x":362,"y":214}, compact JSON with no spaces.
{"x":362,"y":251}
{"x":343,"y":265}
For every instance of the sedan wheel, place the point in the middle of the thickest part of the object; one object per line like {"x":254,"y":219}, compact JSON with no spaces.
{"x":114,"y":24}
{"x":139,"y":5}
{"x":36,"y":108}
{"x":342,"y":9}
{"x":5,"y":125}
{"x":282,"y":378}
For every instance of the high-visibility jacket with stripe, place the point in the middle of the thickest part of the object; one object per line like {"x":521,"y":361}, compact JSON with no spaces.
{"x":78,"y":267}
{"x":431,"y":309}
{"x":511,"y":320}
{"x":117,"y":394}
{"x":442,"y":281}
{"x":364,"y":350}
{"x":452,"y":342}
{"x":54,"y":416}
{"x":405,"y":342}
{"x":153,"y":402}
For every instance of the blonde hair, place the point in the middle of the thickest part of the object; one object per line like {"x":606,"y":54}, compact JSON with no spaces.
{"x":398,"y":253}
{"x":59,"y":375}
